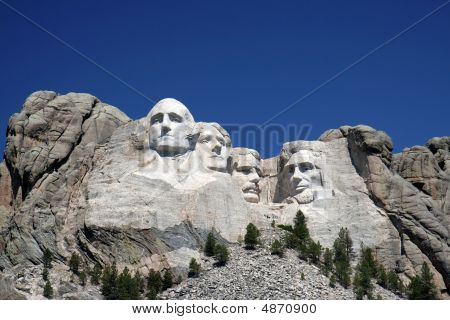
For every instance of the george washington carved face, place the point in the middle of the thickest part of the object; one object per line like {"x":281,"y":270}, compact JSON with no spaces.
{"x":171,"y":125}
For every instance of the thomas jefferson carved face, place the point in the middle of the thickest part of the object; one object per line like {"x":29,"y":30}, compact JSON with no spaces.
{"x":171,"y":126}
{"x":213,"y":146}
{"x":301,"y":175}
{"x":247,"y":172}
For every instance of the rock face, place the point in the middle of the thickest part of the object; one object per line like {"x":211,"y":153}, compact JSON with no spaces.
{"x":49,"y":150}
{"x":412,"y":189}
{"x":80,"y":176}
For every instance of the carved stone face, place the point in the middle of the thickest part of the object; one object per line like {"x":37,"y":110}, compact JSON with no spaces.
{"x":171,"y":125}
{"x":213,"y":148}
{"x":247,"y":172}
{"x":301,"y":175}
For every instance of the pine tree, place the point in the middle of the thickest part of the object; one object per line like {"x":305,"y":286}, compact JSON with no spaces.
{"x":194,"y":269}
{"x":347,"y":242}
{"x":48,"y":290}
{"x":342,"y":258}
{"x":45,"y":274}
{"x":83,"y":277}
{"x":368,"y":261}
{"x":382,"y":277}
{"x":152,"y":294}
{"x":277,"y":248}
{"x":154,"y":281}
{"x":297,"y":236}
{"x":362,"y":281}
{"x":327,"y":267}
{"x":210,"y":245}
{"x":314,"y":251}
{"x":332,"y":281}
{"x":422,"y":286}
{"x":74,"y":263}
{"x":48,"y":257}
{"x":127,"y":286}
{"x":301,"y":231}
{"x":109,"y":282}
{"x":167,"y":281}
{"x":96,"y":274}
{"x":139,"y":280}
{"x":251,"y":237}
{"x":221,"y":254}
{"x":393,"y":282}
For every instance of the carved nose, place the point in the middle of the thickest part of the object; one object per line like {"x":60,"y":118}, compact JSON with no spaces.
{"x":297,"y":175}
{"x":254,"y":177}
{"x":166,"y":123}
{"x":217,"y":149}
{"x":216,"y":146}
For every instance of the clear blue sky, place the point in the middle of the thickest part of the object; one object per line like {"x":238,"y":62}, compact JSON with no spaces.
{"x":240,"y":62}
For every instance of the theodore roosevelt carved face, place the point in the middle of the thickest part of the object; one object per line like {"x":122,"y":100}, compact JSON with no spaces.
{"x":246,"y":171}
{"x":171,"y":126}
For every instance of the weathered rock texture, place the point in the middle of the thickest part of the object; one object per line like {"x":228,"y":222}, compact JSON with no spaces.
{"x":76,"y":178}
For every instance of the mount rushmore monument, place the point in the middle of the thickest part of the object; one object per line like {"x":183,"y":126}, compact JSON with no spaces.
{"x":80,"y":176}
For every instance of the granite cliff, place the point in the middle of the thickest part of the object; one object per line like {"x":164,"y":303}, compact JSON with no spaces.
{"x":80,"y":176}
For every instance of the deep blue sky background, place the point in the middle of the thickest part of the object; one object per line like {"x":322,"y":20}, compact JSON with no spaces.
{"x":236,"y":62}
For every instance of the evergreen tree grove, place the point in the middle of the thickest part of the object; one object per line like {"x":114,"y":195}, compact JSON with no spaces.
{"x":422,"y":286}
{"x":154,"y":281}
{"x":109,"y":282}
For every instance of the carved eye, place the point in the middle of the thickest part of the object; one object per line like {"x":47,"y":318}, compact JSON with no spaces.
{"x":306,"y":166}
{"x":156,"y":118}
{"x":291,"y":169}
{"x":221,"y":141}
{"x":175,"y":117}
